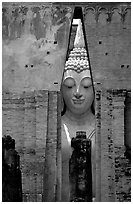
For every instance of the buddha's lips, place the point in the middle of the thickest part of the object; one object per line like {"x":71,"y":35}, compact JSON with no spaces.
{"x":78,"y":101}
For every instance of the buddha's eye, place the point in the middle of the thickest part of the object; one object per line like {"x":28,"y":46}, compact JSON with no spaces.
{"x":69,"y":83}
{"x":86,"y":87}
{"x":86,"y":82}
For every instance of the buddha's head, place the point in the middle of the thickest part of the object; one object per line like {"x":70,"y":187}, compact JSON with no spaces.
{"x":77,"y":89}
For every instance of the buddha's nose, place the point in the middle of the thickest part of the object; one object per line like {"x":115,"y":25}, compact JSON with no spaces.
{"x":78,"y":95}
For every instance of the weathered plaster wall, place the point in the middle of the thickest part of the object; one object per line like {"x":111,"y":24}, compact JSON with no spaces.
{"x":32,"y":119}
{"x":33,"y":59}
{"x":113,"y":168}
{"x":35,"y":41}
{"x":108,"y":34}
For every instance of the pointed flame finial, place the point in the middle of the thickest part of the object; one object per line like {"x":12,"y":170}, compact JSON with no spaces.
{"x":78,"y":59}
{"x":79,"y":39}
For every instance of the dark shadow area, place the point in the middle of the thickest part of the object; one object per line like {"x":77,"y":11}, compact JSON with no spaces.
{"x":11,"y":174}
{"x":80,"y":164}
{"x":127,"y":125}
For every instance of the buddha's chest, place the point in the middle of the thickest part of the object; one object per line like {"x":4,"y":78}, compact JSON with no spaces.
{"x":77,"y":154}
{"x":68,"y":133}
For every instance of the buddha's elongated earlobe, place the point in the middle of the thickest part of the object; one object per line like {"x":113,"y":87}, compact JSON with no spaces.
{"x":93,"y":107}
{"x":63,"y":106}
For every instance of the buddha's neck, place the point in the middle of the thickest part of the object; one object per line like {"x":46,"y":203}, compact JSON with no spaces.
{"x":76,"y":119}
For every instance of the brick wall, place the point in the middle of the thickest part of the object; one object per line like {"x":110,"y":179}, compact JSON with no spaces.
{"x":107,"y":30}
{"x":35,"y":41}
{"x":37,"y":69}
{"x":31,"y":119}
{"x":113,"y":168}
{"x":108,"y":35}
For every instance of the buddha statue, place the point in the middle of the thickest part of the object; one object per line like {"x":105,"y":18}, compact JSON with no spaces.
{"x":78,"y":109}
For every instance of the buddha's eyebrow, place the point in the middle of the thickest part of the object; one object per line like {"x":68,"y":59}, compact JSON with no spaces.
{"x":67,"y":78}
{"x":88,"y":78}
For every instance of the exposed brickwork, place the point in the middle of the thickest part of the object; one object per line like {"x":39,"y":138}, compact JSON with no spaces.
{"x":122,"y":164}
{"x":41,"y":132}
{"x":112,"y":166}
{"x":98,"y":142}
{"x":108,"y":40}
{"x":30,"y":167}
{"x":127,"y":121}
{"x":11,"y":174}
{"x":52,"y":150}
{"x":107,"y":151}
{"x":13,"y":120}
{"x":122,"y":176}
{"x":25,"y":119}
{"x":33,"y":118}
{"x":108,"y":34}
{"x":59,"y":155}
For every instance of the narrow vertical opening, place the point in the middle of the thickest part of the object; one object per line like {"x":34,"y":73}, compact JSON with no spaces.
{"x":127,"y":125}
{"x":77,"y":113}
{"x":78,"y":15}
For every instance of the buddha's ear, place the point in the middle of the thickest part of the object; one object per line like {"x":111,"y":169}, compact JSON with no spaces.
{"x":93,"y":106}
{"x":62,"y":103}
{"x":63,"y":106}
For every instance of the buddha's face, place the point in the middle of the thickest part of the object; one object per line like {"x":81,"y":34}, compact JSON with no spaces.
{"x":77,"y":91}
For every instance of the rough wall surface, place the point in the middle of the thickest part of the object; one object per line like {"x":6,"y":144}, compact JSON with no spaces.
{"x":31,"y":119}
{"x":35,"y":41}
{"x":21,"y":119}
{"x":108,"y":35}
{"x":113,"y":168}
